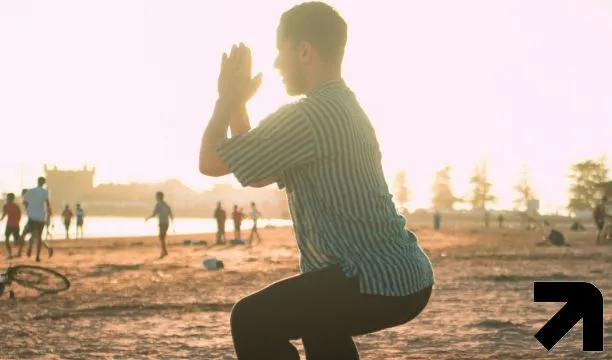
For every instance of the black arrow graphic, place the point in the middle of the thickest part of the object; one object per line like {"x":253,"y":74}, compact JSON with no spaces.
{"x":583,"y":301}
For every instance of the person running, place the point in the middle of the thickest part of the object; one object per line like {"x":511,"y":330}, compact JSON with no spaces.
{"x":255,"y":214}
{"x":38,"y":208}
{"x":80,"y":218}
{"x":361,"y":269}
{"x":13,"y":214}
{"x":237,"y":216}
{"x":221,"y":217}
{"x":26,"y":231}
{"x":67,"y":217}
{"x":164,"y":213}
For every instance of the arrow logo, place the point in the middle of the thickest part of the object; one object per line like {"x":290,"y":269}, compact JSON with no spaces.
{"x":583,"y":301}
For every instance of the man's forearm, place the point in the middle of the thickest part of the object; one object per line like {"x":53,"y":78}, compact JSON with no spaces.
{"x":216,"y":131}
{"x":239,"y":120}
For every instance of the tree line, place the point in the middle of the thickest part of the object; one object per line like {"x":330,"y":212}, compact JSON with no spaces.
{"x":583,"y":194}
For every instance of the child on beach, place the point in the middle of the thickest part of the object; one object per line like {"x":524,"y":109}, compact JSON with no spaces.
{"x":67,"y":217}
{"x":164,"y":213}
{"x":80,"y":217}
{"x":13,"y":214}
{"x":237,"y":216}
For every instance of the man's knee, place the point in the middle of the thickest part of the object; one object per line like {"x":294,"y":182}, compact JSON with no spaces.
{"x":243,"y":315}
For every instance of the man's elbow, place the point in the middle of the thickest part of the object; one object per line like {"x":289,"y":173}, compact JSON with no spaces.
{"x":212,"y":169}
{"x":263,"y":183}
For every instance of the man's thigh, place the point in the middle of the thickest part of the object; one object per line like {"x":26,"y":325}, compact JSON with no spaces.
{"x":36,"y":229}
{"x":315,"y":303}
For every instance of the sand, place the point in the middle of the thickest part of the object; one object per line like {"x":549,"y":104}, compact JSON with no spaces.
{"x":125,"y":304}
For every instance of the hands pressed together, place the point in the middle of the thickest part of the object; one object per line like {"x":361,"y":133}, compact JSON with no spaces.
{"x":236,"y":84}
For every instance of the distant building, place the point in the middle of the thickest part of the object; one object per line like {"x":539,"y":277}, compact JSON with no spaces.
{"x":68,"y":186}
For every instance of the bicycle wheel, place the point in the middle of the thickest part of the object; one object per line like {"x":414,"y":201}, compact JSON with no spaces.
{"x":39,"y":278}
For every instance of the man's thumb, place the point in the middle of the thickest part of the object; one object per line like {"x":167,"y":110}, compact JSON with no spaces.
{"x":256,"y":83}
{"x":257,"y":80}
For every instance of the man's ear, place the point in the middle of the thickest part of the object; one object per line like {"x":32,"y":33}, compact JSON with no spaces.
{"x":305,"y":52}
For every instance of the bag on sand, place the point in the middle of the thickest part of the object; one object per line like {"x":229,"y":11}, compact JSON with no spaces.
{"x":212,"y":264}
{"x":556,"y":238}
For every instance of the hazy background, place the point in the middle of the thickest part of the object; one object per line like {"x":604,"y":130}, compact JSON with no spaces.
{"x":129,"y":85}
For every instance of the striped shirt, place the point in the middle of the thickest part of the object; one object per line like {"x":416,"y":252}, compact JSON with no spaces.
{"x":323,"y":151}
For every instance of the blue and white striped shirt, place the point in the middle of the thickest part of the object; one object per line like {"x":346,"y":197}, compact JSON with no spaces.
{"x":323,"y":151}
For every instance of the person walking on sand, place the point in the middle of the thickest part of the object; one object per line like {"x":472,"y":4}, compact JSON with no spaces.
{"x":164,"y":213}
{"x":255,"y":214}
{"x":599,"y":216}
{"x":221,"y":216}
{"x":13,"y":216}
{"x":237,"y":216}
{"x":80,"y":218}
{"x":361,"y":270}
{"x":38,"y":208}
{"x":67,"y":218}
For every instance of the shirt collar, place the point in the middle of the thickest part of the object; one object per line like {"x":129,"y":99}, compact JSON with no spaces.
{"x":327,"y":85}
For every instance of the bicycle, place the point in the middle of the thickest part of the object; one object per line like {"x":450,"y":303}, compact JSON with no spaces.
{"x":45,"y":280}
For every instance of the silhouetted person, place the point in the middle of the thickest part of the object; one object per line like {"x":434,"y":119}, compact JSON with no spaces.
{"x":221,"y":217}
{"x":164,"y":214}
{"x":255,"y":214}
{"x":362,"y":270}
{"x":500,"y":221}
{"x":487,"y":218}
{"x":80,"y":219}
{"x":437,"y":218}
{"x":599,"y":216}
{"x":237,"y":216}
{"x":13,"y":216}
{"x":67,"y":219}
{"x":39,"y":210}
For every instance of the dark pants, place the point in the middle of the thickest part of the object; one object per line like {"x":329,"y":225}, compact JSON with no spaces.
{"x":35,"y":226}
{"x":323,"y":308}
{"x":600,"y":224}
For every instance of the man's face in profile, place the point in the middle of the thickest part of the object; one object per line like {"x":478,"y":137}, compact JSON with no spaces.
{"x":289,"y":66}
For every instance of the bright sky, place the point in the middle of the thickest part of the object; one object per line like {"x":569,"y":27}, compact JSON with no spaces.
{"x":129,"y":85}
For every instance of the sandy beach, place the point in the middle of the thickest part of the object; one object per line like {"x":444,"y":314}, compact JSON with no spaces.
{"x":126,"y":304}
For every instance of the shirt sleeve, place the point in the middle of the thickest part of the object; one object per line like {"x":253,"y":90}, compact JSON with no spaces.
{"x":283,"y":140}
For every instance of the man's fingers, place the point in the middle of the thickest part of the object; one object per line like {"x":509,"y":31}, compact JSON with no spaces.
{"x":248,"y":60}
{"x":257,"y":80}
{"x":255,"y":84}
{"x":223,"y":62}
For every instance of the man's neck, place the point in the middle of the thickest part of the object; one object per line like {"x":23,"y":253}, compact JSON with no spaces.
{"x":323,"y":77}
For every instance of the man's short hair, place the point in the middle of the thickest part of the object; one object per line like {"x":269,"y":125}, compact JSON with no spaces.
{"x":159,"y":194}
{"x":318,"y":24}
{"x":41,"y":180}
